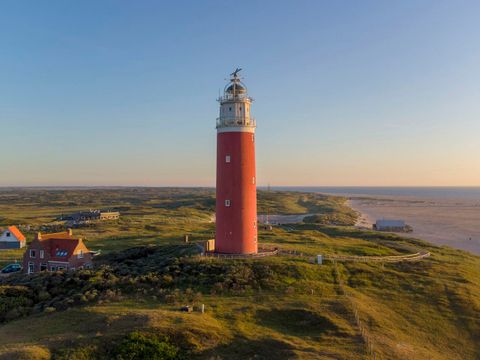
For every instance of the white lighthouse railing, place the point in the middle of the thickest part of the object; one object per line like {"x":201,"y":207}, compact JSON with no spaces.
{"x":235,"y":121}
{"x":231,"y":97}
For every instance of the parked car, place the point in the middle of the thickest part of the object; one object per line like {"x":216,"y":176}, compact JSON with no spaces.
{"x":10,"y":268}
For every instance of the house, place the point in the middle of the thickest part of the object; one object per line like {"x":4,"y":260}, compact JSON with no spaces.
{"x":390,"y":225}
{"x":109,"y":215}
{"x":56,"y":251}
{"x":84,"y":217}
{"x":12,"y":238}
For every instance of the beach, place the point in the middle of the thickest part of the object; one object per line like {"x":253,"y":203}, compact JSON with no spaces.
{"x":440,"y":220}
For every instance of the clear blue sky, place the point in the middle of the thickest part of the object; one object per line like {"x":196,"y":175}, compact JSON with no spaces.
{"x":347,"y":92}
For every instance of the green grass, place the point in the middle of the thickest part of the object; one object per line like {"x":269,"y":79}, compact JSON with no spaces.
{"x":282,"y":307}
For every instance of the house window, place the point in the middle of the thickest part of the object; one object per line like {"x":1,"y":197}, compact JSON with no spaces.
{"x":43,"y":266}
{"x":31,"y":267}
{"x":7,"y":234}
{"x":229,"y":109}
{"x":227,"y":202}
{"x":42,"y":254}
{"x":227,"y":158}
{"x":32,"y":254}
{"x":53,"y":268}
{"x":80,"y":254}
{"x":61,"y":268}
{"x":240,"y":109}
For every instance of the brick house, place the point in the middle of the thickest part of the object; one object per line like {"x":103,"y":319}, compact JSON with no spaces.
{"x":56,"y":251}
{"x":11,"y":238}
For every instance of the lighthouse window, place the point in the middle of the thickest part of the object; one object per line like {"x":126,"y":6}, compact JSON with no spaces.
{"x":240,"y":108}
{"x":229,"y":109}
{"x":227,"y":158}
{"x":227,"y":202}
{"x":253,"y":180}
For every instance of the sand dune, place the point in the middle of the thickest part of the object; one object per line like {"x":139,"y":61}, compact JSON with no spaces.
{"x":453,"y":222}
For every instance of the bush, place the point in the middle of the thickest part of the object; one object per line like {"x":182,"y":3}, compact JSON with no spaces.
{"x":14,"y":301}
{"x":79,"y":353}
{"x":141,"y":346}
{"x":26,"y":352}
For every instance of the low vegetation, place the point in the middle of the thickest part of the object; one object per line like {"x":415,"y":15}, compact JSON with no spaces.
{"x":281,"y":307}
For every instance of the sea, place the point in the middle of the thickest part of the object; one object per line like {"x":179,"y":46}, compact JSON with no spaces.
{"x":450,"y":192}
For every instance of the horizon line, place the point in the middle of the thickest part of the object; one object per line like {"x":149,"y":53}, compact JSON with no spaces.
{"x":213,"y":187}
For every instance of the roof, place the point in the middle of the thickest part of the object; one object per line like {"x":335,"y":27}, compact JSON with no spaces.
{"x":58,"y":235}
{"x":61,"y":249}
{"x":390,"y":223}
{"x":236,"y":88}
{"x":62,"y":245}
{"x":17,"y":233}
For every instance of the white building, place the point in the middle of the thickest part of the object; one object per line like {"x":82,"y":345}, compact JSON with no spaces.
{"x":12,"y":238}
{"x":390,"y":225}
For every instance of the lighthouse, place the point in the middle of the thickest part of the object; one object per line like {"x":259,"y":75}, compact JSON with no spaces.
{"x":236,"y":203}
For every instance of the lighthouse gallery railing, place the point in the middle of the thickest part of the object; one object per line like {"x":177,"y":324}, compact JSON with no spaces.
{"x":235,"y":121}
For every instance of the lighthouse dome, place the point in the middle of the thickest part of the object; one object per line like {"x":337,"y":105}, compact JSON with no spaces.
{"x":236,"y":89}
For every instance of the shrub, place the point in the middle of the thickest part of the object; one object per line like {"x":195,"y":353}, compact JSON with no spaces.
{"x":12,"y":301}
{"x":141,"y":346}
{"x":79,"y":353}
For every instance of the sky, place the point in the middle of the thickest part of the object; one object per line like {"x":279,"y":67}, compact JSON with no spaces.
{"x":347,"y":93}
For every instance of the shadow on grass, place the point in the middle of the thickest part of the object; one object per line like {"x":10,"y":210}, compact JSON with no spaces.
{"x":243,"y":348}
{"x":296,"y":322}
{"x":60,"y":331}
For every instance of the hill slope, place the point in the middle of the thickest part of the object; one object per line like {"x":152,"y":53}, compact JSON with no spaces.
{"x":282,"y":307}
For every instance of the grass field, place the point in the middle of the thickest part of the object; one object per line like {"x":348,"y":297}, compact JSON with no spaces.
{"x":281,"y":307}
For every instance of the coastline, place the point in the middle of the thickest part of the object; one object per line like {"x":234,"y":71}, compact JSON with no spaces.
{"x":364,"y":221}
{"x":451,"y":222}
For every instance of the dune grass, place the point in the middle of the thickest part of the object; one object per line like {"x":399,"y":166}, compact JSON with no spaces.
{"x":282,"y":307}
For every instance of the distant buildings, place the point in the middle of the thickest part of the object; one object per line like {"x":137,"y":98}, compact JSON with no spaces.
{"x":109,"y":215}
{"x":56,"y":251}
{"x":83,"y":217}
{"x":12,"y":238}
{"x":391,"y":225}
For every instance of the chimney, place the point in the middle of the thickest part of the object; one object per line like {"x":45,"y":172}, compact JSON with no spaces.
{"x":39,"y":235}
{"x":69,"y":232}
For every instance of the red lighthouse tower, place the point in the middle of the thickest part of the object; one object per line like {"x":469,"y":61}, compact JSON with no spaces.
{"x":236,"y":207}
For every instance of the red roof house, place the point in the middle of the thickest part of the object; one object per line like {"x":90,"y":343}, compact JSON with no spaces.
{"x":56,"y":251}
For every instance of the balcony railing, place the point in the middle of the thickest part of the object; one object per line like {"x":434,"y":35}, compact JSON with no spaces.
{"x":231,"y":97}
{"x":235,"y":121}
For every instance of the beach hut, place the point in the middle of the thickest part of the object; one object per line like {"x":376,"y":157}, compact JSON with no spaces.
{"x":390,"y":225}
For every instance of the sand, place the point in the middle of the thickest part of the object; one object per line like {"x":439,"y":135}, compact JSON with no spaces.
{"x":452,"y":222}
